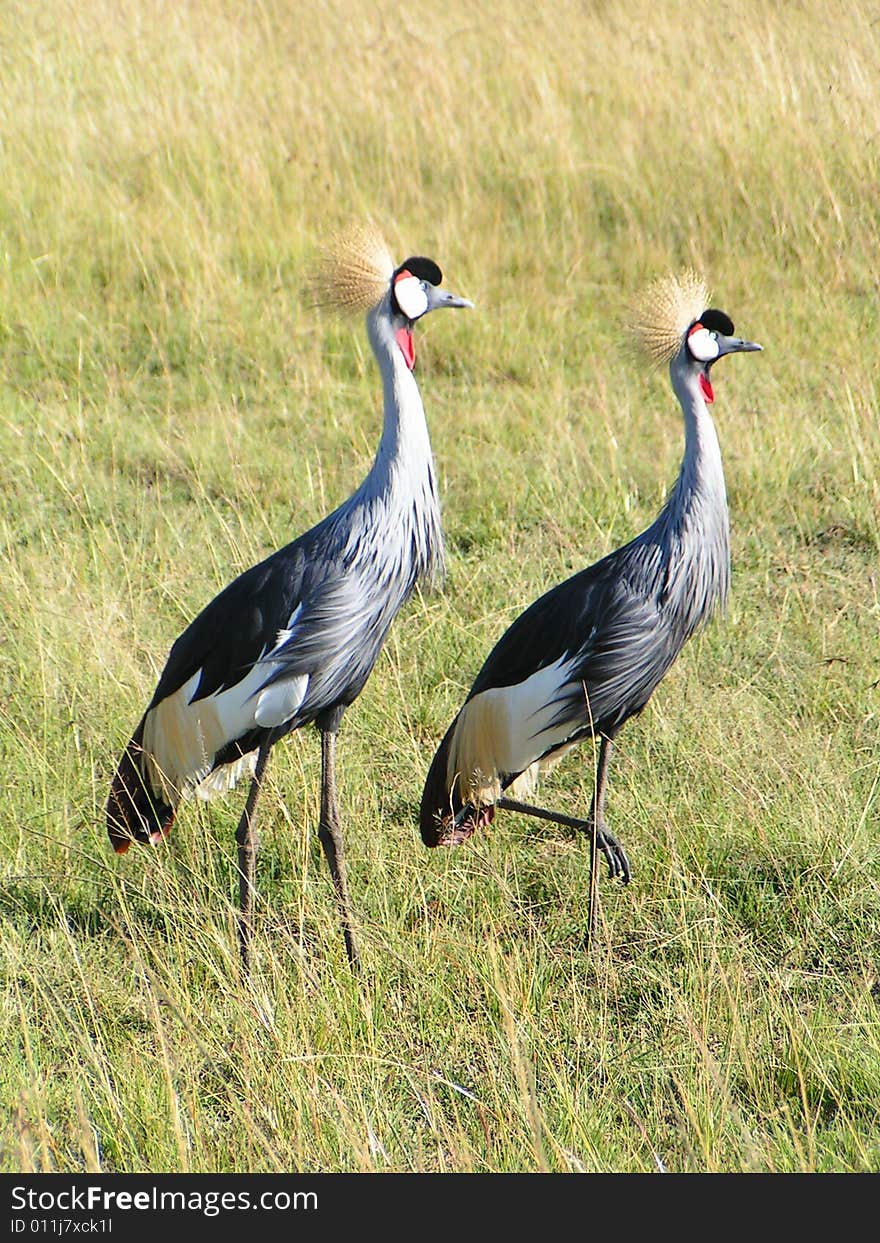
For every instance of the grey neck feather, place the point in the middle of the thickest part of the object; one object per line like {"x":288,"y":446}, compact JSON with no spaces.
{"x":401,"y":490}
{"x":693,"y":526}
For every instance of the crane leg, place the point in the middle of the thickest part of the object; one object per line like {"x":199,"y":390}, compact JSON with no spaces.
{"x":600,"y":836}
{"x":247,"y":858}
{"x":330,"y":836}
{"x":597,"y":828}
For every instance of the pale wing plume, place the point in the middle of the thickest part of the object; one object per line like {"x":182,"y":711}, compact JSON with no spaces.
{"x":356,"y":269}
{"x":665,"y":311}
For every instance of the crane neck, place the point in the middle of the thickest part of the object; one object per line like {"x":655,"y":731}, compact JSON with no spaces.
{"x":692,"y":530}
{"x":405,"y":437}
{"x":700,"y":482}
{"x":401,"y":488}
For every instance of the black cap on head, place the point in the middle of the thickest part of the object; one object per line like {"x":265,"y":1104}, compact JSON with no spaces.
{"x":717,"y":321}
{"x":422,"y":268}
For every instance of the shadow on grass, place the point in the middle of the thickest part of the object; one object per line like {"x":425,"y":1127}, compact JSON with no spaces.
{"x":32,"y":907}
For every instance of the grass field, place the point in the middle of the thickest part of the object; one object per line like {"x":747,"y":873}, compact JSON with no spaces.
{"x":172,"y":408}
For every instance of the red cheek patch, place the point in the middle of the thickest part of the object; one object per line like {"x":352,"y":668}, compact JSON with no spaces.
{"x":407,"y":346}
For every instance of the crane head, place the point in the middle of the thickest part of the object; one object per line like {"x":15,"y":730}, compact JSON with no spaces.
{"x":709,"y":338}
{"x":675,"y":324}
{"x":358,"y":273}
{"x":415,"y":290}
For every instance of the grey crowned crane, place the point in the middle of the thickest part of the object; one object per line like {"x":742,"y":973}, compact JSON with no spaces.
{"x":587,"y":655}
{"x":292,"y":640}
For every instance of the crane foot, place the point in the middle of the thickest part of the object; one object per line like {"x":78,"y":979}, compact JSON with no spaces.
{"x":615,"y":855}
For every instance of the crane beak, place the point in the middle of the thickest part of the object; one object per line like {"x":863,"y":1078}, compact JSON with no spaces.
{"x":726,"y":345}
{"x":438,"y":298}
{"x":735,"y":345}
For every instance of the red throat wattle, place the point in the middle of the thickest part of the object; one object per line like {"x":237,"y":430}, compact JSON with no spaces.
{"x":706,"y":386}
{"x":407,"y":346}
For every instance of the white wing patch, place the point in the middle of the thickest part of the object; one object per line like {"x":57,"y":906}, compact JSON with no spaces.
{"x":280,"y":701}
{"x":506,"y":730}
{"x":176,"y":744}
{"x":224,"y":778}
{"x":182,"y":737}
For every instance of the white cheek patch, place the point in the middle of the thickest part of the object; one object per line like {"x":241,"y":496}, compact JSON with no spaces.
{"x":411,"y":297}
{"x":702,"y":344}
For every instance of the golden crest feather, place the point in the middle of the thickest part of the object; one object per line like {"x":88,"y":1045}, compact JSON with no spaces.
{"x":356,"y":269}
{"x":666,"y":310}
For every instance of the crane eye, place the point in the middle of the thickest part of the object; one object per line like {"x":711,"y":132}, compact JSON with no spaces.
{"x":409,"y":293}
{"x":702,"y":344}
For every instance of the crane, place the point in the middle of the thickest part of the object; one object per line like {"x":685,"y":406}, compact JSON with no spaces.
{"x":292,"y":640}
{"x":588,"y":654}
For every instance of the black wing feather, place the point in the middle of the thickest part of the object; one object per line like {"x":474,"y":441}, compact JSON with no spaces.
{"x":556,"y":624}
{"x":242,"y":621}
